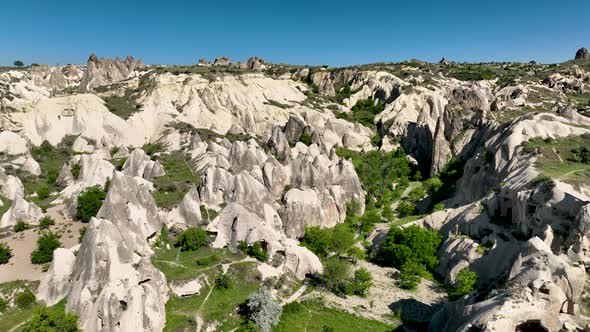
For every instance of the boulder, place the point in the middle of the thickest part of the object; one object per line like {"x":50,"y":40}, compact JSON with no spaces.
{"x":21,"y":210}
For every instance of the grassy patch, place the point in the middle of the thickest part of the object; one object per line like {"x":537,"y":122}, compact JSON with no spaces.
{"x":313,"y":315}
{"x":122,"y":106}
{"x":51,"y":159}
{"x":558,"y":158}
{"x":222,"y":303}
{"x":363,"y":112}
{"x":172,"y":187}
{"x":179,"y":265}
{"x":406,"y":220}
{"x":14,"y":315}
{"x":7,"y":203}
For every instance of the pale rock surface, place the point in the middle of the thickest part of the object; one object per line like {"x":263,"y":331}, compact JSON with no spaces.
{"x":32,"y":166}
{"x":140,"y":164}
{"x":12,"y":144}
{"x":21,"y":210}
{"x":54,"y":285}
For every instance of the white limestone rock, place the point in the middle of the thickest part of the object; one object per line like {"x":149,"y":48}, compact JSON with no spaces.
{"x":21,"y":210}
{"x":54,"y":286}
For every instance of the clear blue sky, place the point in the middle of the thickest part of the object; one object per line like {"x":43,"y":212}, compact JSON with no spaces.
{"x":302,"y":32}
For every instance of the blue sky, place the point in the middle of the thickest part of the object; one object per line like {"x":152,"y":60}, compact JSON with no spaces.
{"x":301,"y":32}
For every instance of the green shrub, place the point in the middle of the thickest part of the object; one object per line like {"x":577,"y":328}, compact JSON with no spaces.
{"x":387,"y":213}
{"x":43,"y":192}
{"x":52,"y":175}
{"x":25,"y":299}
{"x":439,"y":207}
{"x":46,"y":244}
{"x":45,"y":222}
{"x":224,"y":281}
{"x":378,"y":171}
{"x":46,"y":320}
{"x":317,"y":240}
{"x":114,"y":150}
{"x":293,"y":307}
{"x":305,"y":138}
{"x":410,"y":275}
{"x":5,"y":253}
{"x":75,"y":169}
{"x":416,"y":194}
{"x":377,"y":140}
{"x":336,"y":275}
{"x":258,"y":251}
{"x":323,"y":241}
{"x":410,"y":244}
{"x":248,"y":326}
{"x":464,"y":283}
{"x":369,"y":219}
{"x":364,"y":112}
{"x":342,"y":238}
{"x":406,"y":208}
{"x":192,"y":239}
{"x":20,"y":226}
{"x":3,"y":305}
{"x":89,"y":202}
{"x":361,"y":283}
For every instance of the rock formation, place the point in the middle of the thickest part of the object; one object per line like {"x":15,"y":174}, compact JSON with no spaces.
{"x":582,"y":54}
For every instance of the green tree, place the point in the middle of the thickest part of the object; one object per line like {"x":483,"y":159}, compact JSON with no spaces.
{"x":25,"y":299}
{"x":89,"y":202}
{"x":317,"y":240}
{"x":46,"y":320}
{"x":192,"y":239}
{"x":413,"y":244}
{"x":336,"y":275}
{"x":5,"y":253}
{"x":362,"y":282}
{"x":342,"y":238}
{"x":406,"y":208}
{"x":18,"y":63}
{"x":46,"y":244}
{"x":416,"y":194}
{"x":464,"y":283}
{"x":410,"y":275}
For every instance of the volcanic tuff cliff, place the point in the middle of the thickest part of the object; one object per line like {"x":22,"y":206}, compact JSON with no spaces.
{"x":262,"y":139}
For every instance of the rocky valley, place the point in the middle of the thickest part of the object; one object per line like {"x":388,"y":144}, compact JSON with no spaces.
{"x":253,"y":196}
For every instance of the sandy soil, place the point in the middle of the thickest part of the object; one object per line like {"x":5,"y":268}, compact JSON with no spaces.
{"x":20,"y":267}
{"x":383,"y":296}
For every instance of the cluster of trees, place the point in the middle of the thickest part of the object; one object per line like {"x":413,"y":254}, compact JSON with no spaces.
{"x":363,"y":112}
{"x":46,"y":244}
{"x":191,"y":239}
{"x":412,"y":250}
{"x":378,"y":172}
{"x":339,"y":278}
{"x":326,"y":241}
{"x":45,"y":320}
